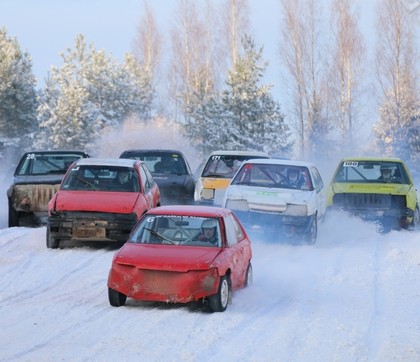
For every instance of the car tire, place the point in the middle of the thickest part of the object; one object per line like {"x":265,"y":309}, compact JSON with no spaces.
{"x":52,"y":243}
{"x":13,"y":216}
{"x":219,"y":301}
{"x":311,"y":234}
{"x":249,"y":276}
{"x":415,"y":223}
{"x":116,"y":299}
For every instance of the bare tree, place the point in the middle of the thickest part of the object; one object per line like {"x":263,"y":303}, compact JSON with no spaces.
{"x":147,"y":46}
{"x":346,"y":76}
{"x":236,"y":25}
{"x":193,"y":67}
{"x":397,"y":71}
{"x":300,"y":52}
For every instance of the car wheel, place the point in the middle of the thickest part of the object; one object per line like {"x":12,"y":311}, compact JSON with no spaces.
{"x":116,"y":299}
{"x":310,"y":237}
{"x":416,"y":219}
{"x":219,"y":301}
{"x":249,"y":276}
{"x":13,"y":216}
{"x":52,"y":243}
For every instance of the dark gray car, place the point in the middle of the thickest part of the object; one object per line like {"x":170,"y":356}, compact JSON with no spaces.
{"x":37,"y":177}
{"x":170,"y":170}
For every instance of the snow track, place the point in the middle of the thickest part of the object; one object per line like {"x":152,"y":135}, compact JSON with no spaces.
{"x":353,"y":296}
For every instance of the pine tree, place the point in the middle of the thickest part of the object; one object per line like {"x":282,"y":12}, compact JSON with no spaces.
{"x":18,"y":96}
{"x":245,"y":117}
{"x":89,"y":93}
{"x":253,"y":120}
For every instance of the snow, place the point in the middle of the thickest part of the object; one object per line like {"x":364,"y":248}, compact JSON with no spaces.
{"x":353,"y":296}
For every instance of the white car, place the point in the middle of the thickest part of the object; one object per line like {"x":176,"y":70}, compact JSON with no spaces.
{"x":217,"y":172}
{"x":287,"y":197}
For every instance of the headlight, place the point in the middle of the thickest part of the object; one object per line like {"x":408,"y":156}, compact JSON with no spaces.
{"x":240,"y":205}
{"x":296,"y":210}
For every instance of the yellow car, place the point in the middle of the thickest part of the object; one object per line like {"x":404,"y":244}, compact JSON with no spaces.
{"x":219,"y":169}
{"x":377,"y":189}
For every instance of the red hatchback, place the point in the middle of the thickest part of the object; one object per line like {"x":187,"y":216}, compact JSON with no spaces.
{"x":100,"y":200}
{"x":180,"y":254}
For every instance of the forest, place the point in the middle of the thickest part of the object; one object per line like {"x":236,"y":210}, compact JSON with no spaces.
{"x":204,"y":80}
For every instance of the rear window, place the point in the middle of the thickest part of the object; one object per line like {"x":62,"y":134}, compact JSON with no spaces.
{"x":159,"y":162}
{"x":44,"y":164}
{"x":224,"y":166}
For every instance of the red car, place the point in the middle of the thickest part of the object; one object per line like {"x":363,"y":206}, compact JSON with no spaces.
{"x":180,"y":254}
{"x":100,"y":200}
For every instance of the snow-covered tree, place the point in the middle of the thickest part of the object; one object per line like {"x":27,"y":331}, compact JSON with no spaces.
{"x":18,"y":96}
{"x":397,"y":67}
{"x":88,"y":93}
{"x":253,"y":120}
{"x":245,"y":116}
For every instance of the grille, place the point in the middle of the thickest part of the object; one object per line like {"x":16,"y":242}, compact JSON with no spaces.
{"x":369,"y":201}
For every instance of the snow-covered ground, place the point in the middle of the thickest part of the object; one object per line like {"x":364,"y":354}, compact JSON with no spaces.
{"x":354,"y":296}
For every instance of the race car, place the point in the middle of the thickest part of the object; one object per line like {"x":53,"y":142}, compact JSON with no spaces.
{"x":377,"y":189}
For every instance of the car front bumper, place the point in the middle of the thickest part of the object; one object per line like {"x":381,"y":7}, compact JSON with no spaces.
{"x":163,"y":285}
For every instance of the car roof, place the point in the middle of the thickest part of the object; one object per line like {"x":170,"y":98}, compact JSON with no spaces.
{"x":276,"y":161}
{"x":121,"y":162}
{"x":151,"y":151}
{"x":190,"y":210}
{"x":65,"y":152}
{"x":372,"y":158}
{"x":239,"y":153}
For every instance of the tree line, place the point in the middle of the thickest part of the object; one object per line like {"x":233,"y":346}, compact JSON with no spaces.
{"x":207,"y":78}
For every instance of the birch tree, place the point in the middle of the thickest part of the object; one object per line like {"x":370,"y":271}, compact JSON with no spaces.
{"x":300,"y":52}
{"x":147,"y":48}
{"x":347,"y":73}
{"x":236,"y":25}
{"x":397,"y":71}
{"x":194,"y":54}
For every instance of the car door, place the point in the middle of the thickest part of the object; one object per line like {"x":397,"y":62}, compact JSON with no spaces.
{"x":238,"y":249}
{"x":320,"y":192}
{"x":149,"y":187}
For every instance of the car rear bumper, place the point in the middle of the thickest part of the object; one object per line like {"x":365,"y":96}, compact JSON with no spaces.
{"x":94,"y":226}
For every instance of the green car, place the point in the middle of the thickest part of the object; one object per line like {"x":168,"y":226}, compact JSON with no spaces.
{"x":377,"y":189}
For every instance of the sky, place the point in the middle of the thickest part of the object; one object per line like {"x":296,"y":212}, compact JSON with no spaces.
{"x":46,"y":28}
{"x":353,"y":296}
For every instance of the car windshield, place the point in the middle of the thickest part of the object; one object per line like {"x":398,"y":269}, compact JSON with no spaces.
{"x":371,"y":172}
{"x":44,"y":164}
{"x":101,"y":178}
{"x":159,"y":162}
{"x":224,"y":166}
{"x":177,"y":230}
{"x":273,"y":176}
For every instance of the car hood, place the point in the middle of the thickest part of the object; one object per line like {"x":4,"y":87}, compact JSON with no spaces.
{"x":166,"y":257}
{"x":376,"y":188}
{"x":271,"y":196}
{"x":39,"y":179}
{"x":119,"y":202}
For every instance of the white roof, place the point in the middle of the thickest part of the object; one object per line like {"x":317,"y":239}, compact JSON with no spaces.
{"x":120,"y":162}
{"x":239,"y":153}
{"x":276,"y":161}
